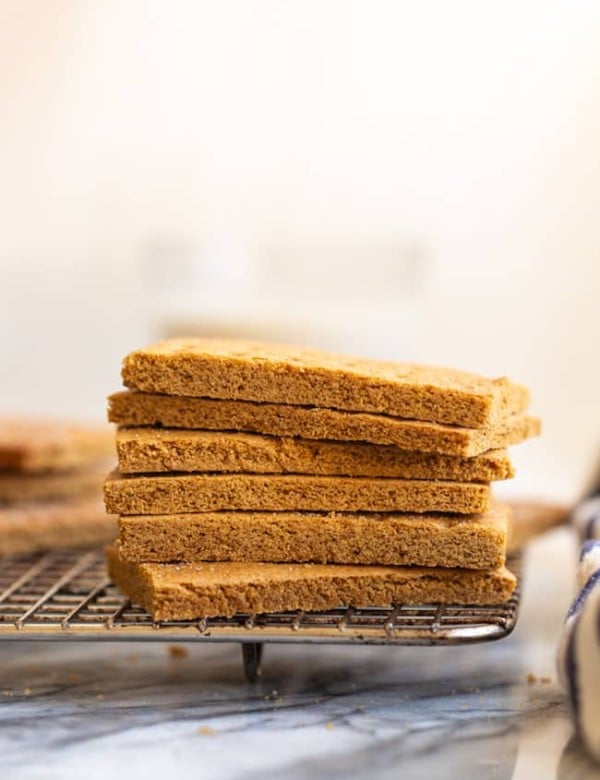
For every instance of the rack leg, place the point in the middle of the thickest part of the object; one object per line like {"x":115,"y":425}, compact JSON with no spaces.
{"x":252,"y":657}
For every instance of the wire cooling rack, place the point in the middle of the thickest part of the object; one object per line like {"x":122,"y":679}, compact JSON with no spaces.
{"x":66,"y":595}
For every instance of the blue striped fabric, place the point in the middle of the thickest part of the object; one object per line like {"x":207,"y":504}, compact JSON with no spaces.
{"x":586,"y":518}
{"x":579,"y":650}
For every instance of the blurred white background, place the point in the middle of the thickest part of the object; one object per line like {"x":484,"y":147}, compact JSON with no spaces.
{"x":459,"y":139}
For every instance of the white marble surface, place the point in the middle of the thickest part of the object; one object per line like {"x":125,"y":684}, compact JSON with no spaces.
{"x":115,"y":710}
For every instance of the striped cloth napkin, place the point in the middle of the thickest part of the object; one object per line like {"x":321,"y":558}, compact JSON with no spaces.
{"x":579,"y":650}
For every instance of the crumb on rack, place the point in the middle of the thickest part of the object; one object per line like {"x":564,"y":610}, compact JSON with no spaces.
{"x":178,"y":651}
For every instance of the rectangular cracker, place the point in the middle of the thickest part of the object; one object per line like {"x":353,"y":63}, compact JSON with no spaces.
{"x":529,"y":519}
{"x":466,"y":541}
{"x":252,"y":371}
{"x":45,"y":444}
{"x":150,"y":409}
{"x":63,"y":523}
{"x":183,"y":493}
{"x":152,"y":450}
{"x":22,"y":486}
{"x":196,"y":590}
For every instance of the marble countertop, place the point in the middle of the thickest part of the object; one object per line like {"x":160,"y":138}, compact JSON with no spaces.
{"x":73,"y":710}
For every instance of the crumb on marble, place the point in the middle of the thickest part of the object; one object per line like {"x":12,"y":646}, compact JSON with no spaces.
{"x":133,"y":657}
{"x":100,"y":696}
{"x":178,"y":651}
{"x":329,"y":726}
{"x":274,"y":695}
{"x":543,"y":679}
{"x":206,"y":731}
{"x":73,"y":677}
{"x":26,"y":691}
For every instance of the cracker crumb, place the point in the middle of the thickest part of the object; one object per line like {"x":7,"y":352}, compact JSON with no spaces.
{"x":178,"y":651}
{"x":329,"y":726}
{"x":545,"y":680}
{"x":531,"y":678}
{"x":206,"y":731}
{"x":73,"y":677}
{"x":26,"y":691}
{"x":273,"y":696}
{"x":100,"y":697}
{"x":133,"y":657}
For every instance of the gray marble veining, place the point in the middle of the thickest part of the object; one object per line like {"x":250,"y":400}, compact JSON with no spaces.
{"x":137,"y":711}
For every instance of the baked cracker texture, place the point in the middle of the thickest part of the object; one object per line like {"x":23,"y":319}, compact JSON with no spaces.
{"x":152,"y":409}
{"x":195,"y":590}
{"x":253,"y":371}
{"x":470,"y":541}
{"x":150,"y":450}
{"x":183,"y":493}
{"x":38,"y":445}
{"x":18,"y":486}
{"x":36,"y":527}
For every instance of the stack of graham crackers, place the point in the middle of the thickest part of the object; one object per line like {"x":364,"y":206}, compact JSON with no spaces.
{"x":257,"y":477}
{"x":51,"y":475}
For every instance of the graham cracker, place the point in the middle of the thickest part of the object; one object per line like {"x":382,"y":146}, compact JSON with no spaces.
{"x":183,"y":493}
{"x":44,"y":444}
{"x":530,"y":519}
{"x":151,"y":450}
{"x":195,"y":590}
{"x":22,"y":486}
{"x":467,"y":541}
{"x":253,"y":371}
{"x":34,"y":527}
{"x":152,"y":409}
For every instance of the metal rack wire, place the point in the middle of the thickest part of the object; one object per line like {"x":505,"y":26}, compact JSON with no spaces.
{"x":66,"y":595}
